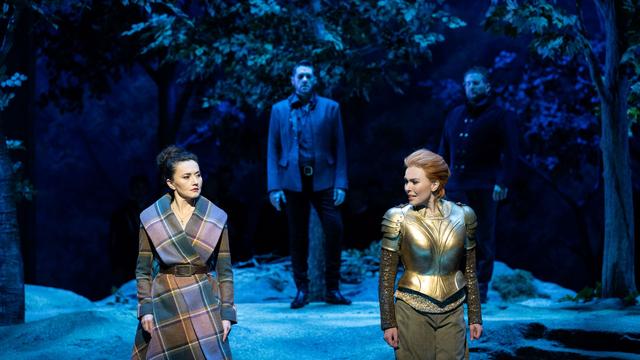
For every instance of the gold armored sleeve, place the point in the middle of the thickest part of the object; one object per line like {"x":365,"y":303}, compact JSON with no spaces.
{"x":471,"y":223}
{"x":386,"y":284}
{"x":392,"y":229}
{"x":473,"y":293}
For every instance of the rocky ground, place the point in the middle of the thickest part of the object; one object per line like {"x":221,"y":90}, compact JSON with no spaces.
{"x":63,"y":325}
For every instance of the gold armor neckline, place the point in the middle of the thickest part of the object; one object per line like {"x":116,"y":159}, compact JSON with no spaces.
{"x":444,"y":208}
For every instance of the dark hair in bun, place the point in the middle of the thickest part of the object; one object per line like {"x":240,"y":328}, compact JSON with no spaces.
{"x":170,"y":157}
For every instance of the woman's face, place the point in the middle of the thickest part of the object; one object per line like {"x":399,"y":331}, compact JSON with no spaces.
{"x":187,"y":181}
{"x":418,"y":187}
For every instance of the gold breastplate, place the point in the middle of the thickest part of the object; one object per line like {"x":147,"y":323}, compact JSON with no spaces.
{"x":431,"y":249}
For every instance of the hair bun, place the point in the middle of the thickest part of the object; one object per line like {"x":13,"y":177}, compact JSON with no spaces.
{"x":169,"y":157}
{"x":166,"y":154}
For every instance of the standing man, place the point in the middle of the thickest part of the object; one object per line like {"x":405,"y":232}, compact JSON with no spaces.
{"x":480,"y":143}
{"x":307,"y":165}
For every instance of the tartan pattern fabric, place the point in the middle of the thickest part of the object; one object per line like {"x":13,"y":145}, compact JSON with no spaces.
{"x":188,"y":311}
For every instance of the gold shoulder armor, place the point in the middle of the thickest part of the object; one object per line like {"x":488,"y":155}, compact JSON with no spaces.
{"x":471,"y":223}
{"x":392,"y":228}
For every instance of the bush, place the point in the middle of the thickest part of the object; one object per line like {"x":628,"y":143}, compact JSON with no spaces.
{"x":356,"y":264}
{"x":515,"y":286}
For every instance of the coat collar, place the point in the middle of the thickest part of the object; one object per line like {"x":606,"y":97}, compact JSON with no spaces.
{"x":295,"y":102}
{"x":198,"y":238}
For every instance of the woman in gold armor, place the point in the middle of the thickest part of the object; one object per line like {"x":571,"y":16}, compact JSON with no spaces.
{"x":435,"y":240}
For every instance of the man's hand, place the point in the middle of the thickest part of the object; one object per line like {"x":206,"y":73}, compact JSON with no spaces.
{"x":338,"y":196}
{"x":147,"y":323}
{"x":499,"y":193}
{"x":226,"y":326}
{"x":475,"y":331}
{"x":275,"y":197}
{"x":391,"y":337}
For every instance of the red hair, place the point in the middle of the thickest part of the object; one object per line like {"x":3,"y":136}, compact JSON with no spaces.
{"x":434,"y":166}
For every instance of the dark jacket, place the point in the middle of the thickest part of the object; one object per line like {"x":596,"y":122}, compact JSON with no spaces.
{"x":330,"y":159}
{"x":480,"y":144}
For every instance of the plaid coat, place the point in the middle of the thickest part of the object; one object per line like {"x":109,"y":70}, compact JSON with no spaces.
{"x":187,"y":311}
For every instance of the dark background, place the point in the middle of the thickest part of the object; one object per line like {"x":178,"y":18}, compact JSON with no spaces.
{"x":80,"y":163}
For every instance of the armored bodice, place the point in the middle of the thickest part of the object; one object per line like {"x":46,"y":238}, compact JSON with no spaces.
{"x":431,"y":247}
{"x":438,"y":254}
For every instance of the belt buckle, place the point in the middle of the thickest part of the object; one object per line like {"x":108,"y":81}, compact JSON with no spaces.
{"x":307,"y":170}
{"x":183,"y":270}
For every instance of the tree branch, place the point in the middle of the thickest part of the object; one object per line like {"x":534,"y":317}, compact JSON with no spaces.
{"x":589,"y":54}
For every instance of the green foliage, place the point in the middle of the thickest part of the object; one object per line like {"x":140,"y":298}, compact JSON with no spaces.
{"x":631,"y":299}
{"x":243,"y":52}
{"x":585,"y":295}
{"x":634,"y":103}
{"x":555,"y":33}
{"x":515,"y":286}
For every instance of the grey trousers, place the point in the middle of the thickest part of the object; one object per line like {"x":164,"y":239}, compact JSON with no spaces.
{"x":430,"y":336}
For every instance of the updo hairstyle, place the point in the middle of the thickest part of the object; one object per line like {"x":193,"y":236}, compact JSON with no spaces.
{"x":434,"y":166}
{"x":169,"y":158}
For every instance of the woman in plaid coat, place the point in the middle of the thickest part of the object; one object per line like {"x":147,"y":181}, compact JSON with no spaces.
{"x":184,"y":311}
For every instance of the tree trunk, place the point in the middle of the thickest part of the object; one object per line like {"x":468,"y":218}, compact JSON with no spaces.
{"x":11,"y":273}
{"x":316,"y":257}
{"x":163,"y":84}
{"x":618,"y":274}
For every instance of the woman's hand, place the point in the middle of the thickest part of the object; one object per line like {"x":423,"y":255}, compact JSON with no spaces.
{"x":147,"y":323}
{"x":226,"y":326}
{"x":475,"y":331}
{"x":391,"y":337}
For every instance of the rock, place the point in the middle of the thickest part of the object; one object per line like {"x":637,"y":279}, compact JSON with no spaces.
{"x":43,"y":302}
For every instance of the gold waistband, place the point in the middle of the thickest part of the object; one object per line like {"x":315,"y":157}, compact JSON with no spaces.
{"x":422,"y":303}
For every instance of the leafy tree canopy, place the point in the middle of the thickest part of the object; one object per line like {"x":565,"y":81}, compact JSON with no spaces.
{"x":244,"y":51}
{"x":560,"y":35}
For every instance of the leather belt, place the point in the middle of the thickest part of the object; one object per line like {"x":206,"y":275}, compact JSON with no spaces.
{"x":307,"y":170}
{"x":185,"y":270}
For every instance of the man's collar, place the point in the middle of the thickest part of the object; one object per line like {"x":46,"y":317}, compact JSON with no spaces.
{"x":481,"y":104}
{"x":295,"y":102}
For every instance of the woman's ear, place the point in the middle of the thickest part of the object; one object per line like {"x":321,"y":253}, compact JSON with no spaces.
{"x":434,"y":186}
{"x":170,"y":184}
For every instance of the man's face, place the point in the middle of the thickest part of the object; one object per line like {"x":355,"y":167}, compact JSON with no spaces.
{"x":476,"y":86}
{"x":303,"y":80}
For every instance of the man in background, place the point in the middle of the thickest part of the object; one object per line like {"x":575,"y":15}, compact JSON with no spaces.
{"x":480,"y":144}
{"x":307,"y":165}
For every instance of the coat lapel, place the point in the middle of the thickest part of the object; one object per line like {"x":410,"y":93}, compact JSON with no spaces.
{"x":169,"y":239}
{"x":205,"y":227}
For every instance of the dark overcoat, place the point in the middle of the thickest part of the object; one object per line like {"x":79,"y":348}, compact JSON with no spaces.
{"x":330,"y":158}
{"x":187,"y":310}
{"x":480,"y":145}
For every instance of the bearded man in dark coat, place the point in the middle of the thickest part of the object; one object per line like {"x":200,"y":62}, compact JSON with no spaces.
{"x":480,"y":144}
